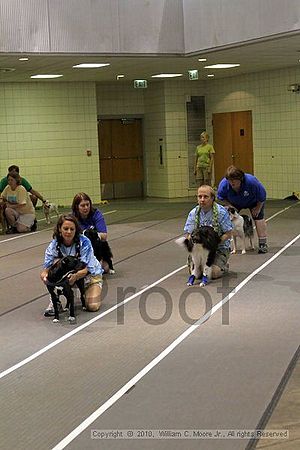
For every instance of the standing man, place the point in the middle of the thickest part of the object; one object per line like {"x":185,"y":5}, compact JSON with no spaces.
{"x":34,"y":195}
{"x":243,"y":190}
{"x":209,"y":213}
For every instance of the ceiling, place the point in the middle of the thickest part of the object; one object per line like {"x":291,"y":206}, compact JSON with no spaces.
{"x":277,"y":53}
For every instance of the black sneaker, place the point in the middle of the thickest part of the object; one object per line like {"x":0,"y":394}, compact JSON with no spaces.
{"x":11,"y":230}
{"x":263,"y":248}
{"x":34,"y":226}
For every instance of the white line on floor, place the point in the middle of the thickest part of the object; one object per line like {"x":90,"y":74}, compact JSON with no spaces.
{"x":85,"y":325}
{"x":96,"y":414}
{"x":280,"y":212}
{"x":110,"y":212}
{"x":54,"y":217}
{"x":23,"y":235}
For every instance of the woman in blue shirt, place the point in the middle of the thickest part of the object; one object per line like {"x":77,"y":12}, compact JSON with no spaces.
{"x":243,"y":190}
{"x":90,"y":217}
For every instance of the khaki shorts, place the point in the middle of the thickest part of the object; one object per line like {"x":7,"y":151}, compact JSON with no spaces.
{"x":203,"y":175}
{"x":221,"y":259}
{"x":90,"y":280}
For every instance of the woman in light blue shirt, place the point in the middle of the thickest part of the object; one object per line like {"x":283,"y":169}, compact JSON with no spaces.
{"x":67,"y":240}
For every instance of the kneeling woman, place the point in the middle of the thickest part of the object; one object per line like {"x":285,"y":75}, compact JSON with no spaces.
{"x":67,"y":240}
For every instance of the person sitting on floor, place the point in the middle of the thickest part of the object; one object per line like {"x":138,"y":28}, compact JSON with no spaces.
{"x":19,"y":211}
{"x":89,"y":217}
{"x":34,"y":195}
{"x":67,"y":240}
{"x":209,"y":213}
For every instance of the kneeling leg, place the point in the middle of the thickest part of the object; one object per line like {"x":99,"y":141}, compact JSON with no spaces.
{"x":93,"y":297}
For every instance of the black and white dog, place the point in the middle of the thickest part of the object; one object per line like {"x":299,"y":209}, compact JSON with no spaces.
{"x":58,"y":284}
{"x":101,"y":248}
{"x":243,"y":228}
{"x":202,"y":247}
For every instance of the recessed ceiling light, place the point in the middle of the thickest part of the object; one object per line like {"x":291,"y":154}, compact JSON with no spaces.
{"x":23,"y":59}
{"x":202,"y":59}
{"x":167,"y":75}
{"x":210,"y":75}
{"x":221,"y":66}
{"x":46,"y":76}
{"x":90,"y":65}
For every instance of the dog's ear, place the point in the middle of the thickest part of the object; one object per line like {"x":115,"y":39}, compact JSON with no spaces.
{"x":189,"y":244}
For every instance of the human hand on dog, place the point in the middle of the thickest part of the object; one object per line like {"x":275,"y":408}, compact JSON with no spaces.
{"x":72,"y":278}
{"x":44,"y":276}
{"x":255,"y":211}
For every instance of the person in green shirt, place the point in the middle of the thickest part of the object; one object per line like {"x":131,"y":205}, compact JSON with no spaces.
{"x":204,"y":158}
{"x":34,"y":195}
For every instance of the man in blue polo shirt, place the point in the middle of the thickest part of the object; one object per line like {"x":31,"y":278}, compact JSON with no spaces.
{"x":243,"y":190}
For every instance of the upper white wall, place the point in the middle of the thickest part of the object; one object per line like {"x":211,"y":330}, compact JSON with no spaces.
{"x":140,"y":26}
{"x":216,"y":23}
{"x":91,"y":26}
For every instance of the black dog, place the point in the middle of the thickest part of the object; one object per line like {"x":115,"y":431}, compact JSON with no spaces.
{"x":101,"y":248}
{"x":58,"y":277}
{"x":202,"y":247}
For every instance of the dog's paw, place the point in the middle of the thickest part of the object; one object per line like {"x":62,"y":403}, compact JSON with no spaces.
{"x":204,"y":281}
{"x":55,"y":320}
{"x":112,"y":271}
{"x":233,"y":252}
{"x":243,"y":252}
{"x":191,"y":280}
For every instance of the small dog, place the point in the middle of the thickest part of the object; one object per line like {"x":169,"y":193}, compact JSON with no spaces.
{"x":243,"y":227}
{"x":58,"y":277}
{"x":49,"y":208}
{"x":101,"y":248}
{"x":202,"y":247}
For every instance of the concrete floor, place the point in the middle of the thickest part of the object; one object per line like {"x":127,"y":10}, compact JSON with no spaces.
{"x":156,"y":362}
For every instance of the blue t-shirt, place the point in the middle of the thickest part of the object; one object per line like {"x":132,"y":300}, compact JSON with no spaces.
{"x":96,"y":220}
{"x":250,"y":193}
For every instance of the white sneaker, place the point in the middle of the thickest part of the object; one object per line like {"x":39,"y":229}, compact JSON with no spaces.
{"x":49,"y":311}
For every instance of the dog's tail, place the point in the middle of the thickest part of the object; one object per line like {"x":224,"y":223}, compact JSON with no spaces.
{"x":248,"y":225}
{"x":184,"y":242}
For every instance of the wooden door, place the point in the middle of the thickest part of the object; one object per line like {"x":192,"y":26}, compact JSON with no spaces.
{"x":233,"y":144}
{"x":121,"y":158}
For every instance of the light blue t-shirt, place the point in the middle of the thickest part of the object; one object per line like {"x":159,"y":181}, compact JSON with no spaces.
{"x":206,"y":218}
{"x":86,"y":255}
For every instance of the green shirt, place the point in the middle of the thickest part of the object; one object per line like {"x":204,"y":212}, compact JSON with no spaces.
{"x":203,"y":153}
{"x":24,"y":182}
